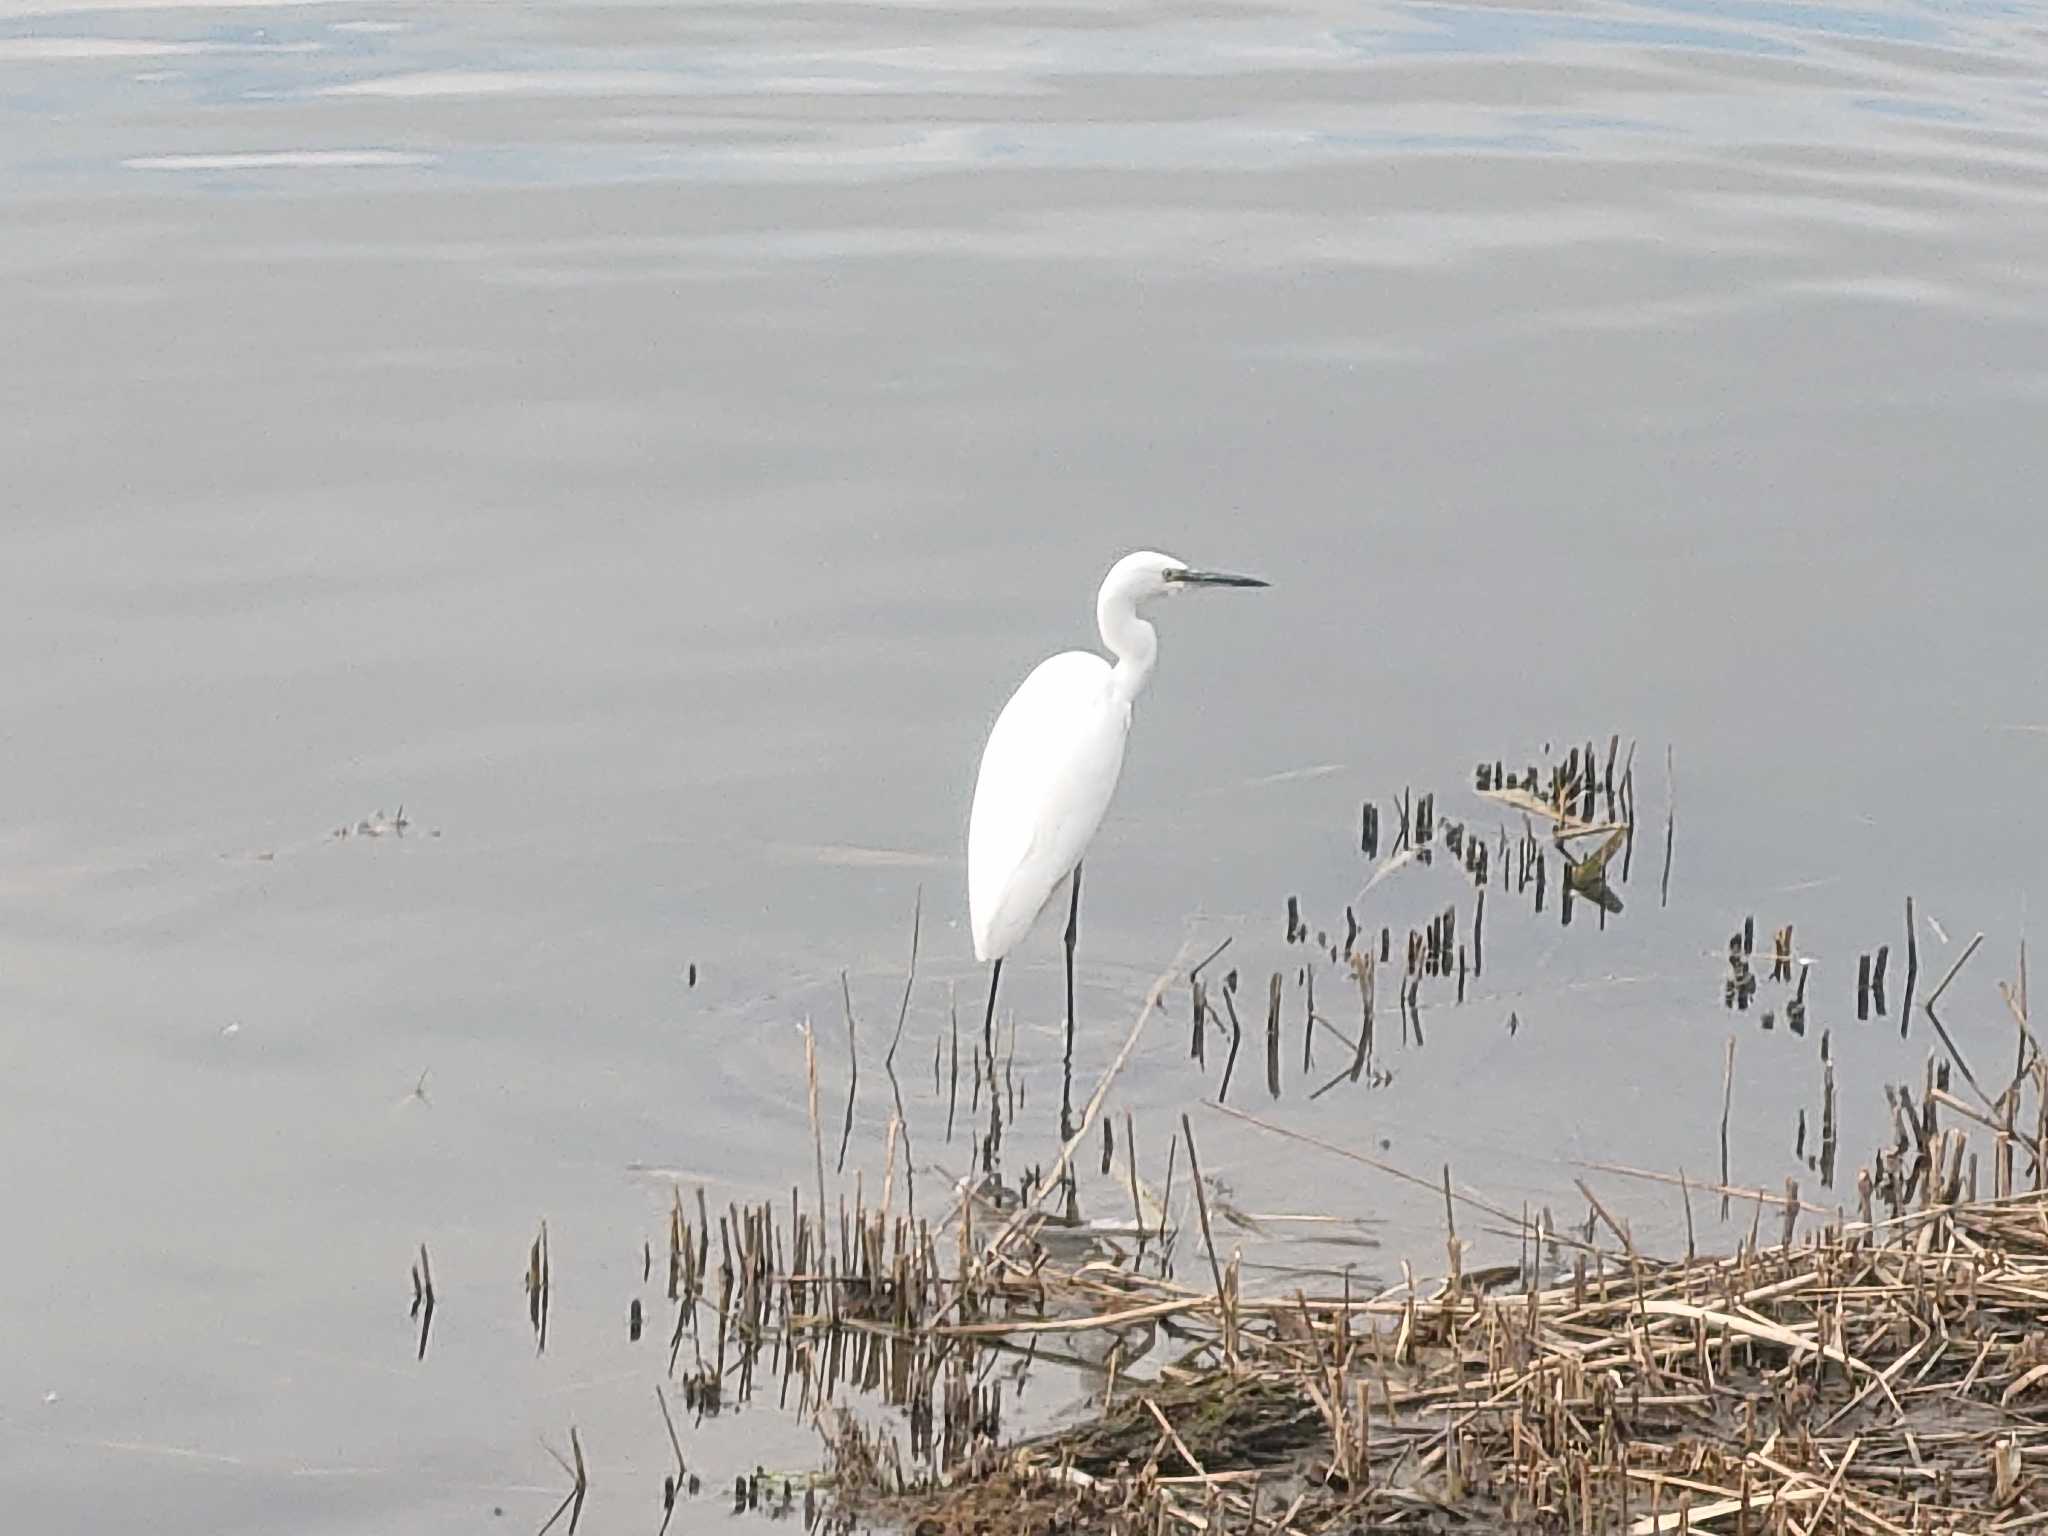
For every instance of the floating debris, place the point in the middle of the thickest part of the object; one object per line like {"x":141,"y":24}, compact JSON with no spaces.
{"x":423,"y":1299}
{"x":539,"y":1288}
{"x":376,"y":825}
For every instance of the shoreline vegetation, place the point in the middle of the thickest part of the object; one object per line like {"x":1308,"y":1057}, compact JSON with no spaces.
{"x":1883,"y":1374}
{"x":1877,"y":1367}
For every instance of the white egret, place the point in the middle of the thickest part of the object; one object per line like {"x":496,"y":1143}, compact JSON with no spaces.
{"x":1051,"y":765}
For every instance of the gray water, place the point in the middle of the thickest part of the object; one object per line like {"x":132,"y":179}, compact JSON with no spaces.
{"x":646,"y":442}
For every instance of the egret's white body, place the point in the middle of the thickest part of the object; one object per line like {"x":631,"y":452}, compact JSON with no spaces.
{"x":1054,"y":755}
{"x":1047,"y":777}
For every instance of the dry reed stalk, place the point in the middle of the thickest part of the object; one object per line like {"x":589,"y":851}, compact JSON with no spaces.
{"x":1029,"y":1210}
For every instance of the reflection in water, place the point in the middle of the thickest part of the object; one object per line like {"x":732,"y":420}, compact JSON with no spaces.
{"x":283,"y":160}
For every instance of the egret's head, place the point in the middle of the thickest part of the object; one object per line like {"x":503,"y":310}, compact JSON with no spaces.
{"x":1139,"y":578}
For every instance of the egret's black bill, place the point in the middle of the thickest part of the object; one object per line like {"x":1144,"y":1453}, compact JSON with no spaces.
{"x":1213,"y":579}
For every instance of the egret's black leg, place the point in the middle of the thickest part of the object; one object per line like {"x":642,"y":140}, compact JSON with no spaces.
{"x":1073,"y":932}
{"x":1067,"y":1086}
{"x":988,"y":1020}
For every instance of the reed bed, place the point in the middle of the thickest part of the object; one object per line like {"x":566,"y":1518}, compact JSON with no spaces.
{"x":1886,"y":1374}
{"x":1882,"y":1372}
{"x":1883,"y":1377}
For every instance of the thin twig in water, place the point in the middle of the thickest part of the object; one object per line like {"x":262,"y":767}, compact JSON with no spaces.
{"x":909,"y":977}
{"x":539,"y":1287}
{"x":1196,"y":969}
{"x":953,"y":1086}
{"x":1166,"y":1192}
{"x":817,"y":1131}
{"x":1056,"y":1176}
{"x":1727,"y":1099}
{"x":423,"y":1298}
{"x":572,"y":1501}
{"x":1912,"y":968}
{"x":1670,"y":823}
{"x":1511,"y":1217}
{"x":682,"y":1470}
{"x":1961,"y":961}
{"x":1942,"y":1030}
{"x":889,"y":1061}
{"x":852,"y":1068}
{"x":1202,"y":1203}
{"x":1679,"y":1181}
{"x":1236,"y":1037}
{"x":1131,"y":1160}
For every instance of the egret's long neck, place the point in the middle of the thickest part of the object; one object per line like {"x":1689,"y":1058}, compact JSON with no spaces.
{"x":1133,"y":642}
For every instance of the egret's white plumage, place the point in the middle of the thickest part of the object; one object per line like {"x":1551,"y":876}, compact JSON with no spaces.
{"x":1047,"y":776}
{"x":1052,"y":760}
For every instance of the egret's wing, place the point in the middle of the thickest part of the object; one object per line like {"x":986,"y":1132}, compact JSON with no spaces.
{"x":1047,"y":775}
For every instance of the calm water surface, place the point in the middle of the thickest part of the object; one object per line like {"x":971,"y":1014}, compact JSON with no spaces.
{"x":646,"y":441}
